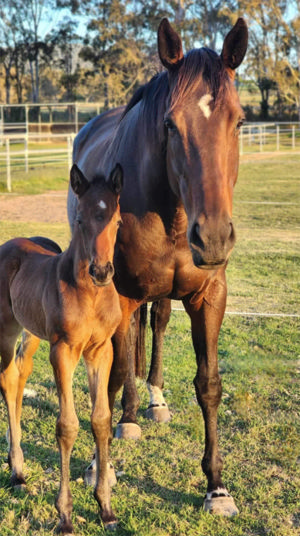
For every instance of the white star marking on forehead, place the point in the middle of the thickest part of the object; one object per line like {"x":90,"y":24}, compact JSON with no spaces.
{"x":102,"y":204}
{"x":204,"y":105}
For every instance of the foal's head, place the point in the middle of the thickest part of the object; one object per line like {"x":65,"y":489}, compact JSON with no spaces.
{"x":97,"y":220}
{"x":202,"y":121}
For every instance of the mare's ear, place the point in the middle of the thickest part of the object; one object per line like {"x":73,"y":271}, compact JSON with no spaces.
{"x":235,"y":45}
{"x":78,"y":181}
{"x":116,"y":179}
{"x":169,"y":46}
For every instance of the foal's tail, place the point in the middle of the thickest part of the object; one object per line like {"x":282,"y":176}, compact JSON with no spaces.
{"x":46,"y":243}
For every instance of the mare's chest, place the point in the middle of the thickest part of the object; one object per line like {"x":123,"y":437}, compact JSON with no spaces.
{"x":153,"y":260}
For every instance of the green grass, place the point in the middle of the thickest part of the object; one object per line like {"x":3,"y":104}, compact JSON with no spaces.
{"x":38,"y":180}
{"x":161,"y":485}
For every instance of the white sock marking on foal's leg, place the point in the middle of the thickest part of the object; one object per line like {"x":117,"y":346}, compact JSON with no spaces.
{"x":204,"y":105}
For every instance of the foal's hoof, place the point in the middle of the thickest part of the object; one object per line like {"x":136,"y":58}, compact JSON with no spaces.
{"x":158,"y":413}
{"x":128,"y":430}
{"x":90,"y":474}
{"x":220,"y":503}
{"x":18,"y":483}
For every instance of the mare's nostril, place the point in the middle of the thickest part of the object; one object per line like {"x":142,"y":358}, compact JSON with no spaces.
{"x":195,"y":237}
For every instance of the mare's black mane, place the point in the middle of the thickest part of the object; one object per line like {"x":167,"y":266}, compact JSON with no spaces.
{"x":197,"y":63}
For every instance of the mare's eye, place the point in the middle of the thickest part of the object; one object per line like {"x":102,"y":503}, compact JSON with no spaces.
{"x":99,"y":216}
{"x":240,"y":123}
{"x":79,"y":219}
{"x":170,"y":125}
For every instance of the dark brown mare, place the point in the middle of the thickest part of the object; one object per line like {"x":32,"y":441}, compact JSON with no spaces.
{"x":70,"y":300}
{"x":177,"y":141}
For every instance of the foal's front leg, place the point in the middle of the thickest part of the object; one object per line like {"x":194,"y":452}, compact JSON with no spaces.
{"x":98,"y":363}
{"x":206,"y":319}
{"x":64,"y":362}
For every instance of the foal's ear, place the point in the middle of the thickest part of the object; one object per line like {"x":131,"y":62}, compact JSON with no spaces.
{"x":78,"y":181}
{"x":116,"y":179}
{"x":235,"y":45}
{"x":169,"y":46}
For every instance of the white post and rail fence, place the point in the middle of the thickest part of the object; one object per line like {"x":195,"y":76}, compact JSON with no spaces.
{"x":49,"y":140}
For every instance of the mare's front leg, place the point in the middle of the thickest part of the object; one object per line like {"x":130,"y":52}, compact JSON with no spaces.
{"x":98,"y":363}
{"x":158,"y":409}
{"x":206,"y":319}
{"x":123,"y":372}
{"x":64,"y":361}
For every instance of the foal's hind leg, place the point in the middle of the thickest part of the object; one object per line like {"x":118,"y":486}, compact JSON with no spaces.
{"x":158,"y":409}
{"x":9,"y":381}
{"x":27,"y":348}
{"x":98,"y":364}
{"x":64,"y":363}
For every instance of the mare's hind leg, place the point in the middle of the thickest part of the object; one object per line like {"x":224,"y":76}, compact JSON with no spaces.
{"x":206,"y":315}
{"x":9,"y":381}
{"x":98,"y":364}
{"x":64,"y":363}
{"x":158,"y":409}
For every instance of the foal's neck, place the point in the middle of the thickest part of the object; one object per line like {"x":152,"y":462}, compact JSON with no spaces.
{"x":75,"y":261}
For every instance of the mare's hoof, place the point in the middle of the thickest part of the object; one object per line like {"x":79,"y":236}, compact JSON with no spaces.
{"x":128,"y":430}
{"x":220,"y":503}
{"x":90,"y":474}
{"x":111,"y":525}
{"x":158,"y":413}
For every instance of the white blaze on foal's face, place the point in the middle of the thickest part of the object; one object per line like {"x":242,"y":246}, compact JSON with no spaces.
{"x":204,"y":105}
{"x":102,"y":204}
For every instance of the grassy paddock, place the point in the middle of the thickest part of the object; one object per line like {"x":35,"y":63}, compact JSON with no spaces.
{"x":160,"y":482}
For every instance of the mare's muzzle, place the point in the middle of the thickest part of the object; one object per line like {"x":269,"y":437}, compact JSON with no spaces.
{"x":211,"y":243}
{"x":101,"y":275}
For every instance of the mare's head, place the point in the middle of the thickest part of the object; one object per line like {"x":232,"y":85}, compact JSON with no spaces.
{"x":202,"y":120}
{"x":97,"y":221}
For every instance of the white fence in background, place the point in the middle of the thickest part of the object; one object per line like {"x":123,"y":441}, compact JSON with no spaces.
{"x":22,"y":151}
{"x":268,"y":137}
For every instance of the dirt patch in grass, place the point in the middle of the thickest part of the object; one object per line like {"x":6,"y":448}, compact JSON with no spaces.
{"x":47,"y":207}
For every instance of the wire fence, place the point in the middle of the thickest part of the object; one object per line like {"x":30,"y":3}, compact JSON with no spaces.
{"x":22,"y":151}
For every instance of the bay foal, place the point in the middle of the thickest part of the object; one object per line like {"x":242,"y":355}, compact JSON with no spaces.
{"x":70,"y":300}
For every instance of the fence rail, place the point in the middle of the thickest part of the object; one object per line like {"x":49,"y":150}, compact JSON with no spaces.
{"x":20,"y":151}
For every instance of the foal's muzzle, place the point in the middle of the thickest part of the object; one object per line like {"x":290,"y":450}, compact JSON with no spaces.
{"x":101,"y":275}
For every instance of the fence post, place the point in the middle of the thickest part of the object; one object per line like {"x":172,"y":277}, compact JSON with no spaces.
{"x":8,"y":177}
{"x":26,"y":152}
{"x":241,"y":141}
{"x":293,"y":137}
{"x":277,"y":137}
{"x":260,"y":139}
{"x":70,"y":150}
